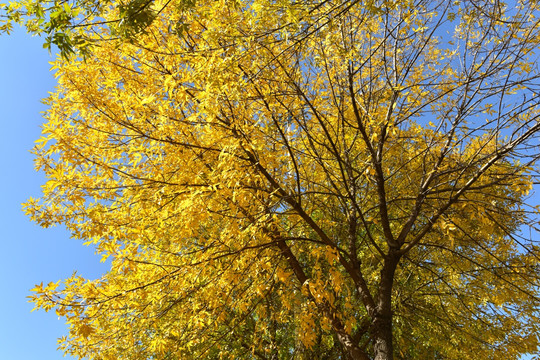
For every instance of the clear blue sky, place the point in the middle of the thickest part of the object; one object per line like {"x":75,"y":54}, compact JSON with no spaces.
{"x":29,"y":254}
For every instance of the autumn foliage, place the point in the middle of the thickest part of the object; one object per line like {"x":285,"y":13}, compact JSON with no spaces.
{"x":305,"y":180}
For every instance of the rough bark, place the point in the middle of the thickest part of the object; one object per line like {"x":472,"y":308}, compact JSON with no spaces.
{"x":382,"y":323}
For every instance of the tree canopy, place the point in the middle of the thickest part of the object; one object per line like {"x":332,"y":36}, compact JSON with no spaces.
{"x":295,"y":180}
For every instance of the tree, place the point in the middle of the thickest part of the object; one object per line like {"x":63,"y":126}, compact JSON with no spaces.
{"x":274,"y":180}
{"x":65,"y":23}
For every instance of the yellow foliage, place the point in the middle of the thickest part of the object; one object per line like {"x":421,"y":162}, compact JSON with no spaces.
{"x":275,"y":178}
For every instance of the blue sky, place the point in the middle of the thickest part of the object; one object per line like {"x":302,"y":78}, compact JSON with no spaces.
{"x":29,"y":254}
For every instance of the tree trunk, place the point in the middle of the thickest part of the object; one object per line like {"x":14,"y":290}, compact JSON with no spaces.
{"x":382,"y":323}
{"x":383,"y":347}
